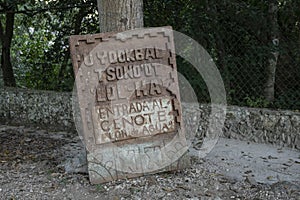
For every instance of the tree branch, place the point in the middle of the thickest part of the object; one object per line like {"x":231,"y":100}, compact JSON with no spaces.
{"x":40,"y":10}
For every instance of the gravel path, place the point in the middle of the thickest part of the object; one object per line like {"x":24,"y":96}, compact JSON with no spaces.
{"x":261,"y":163}
{"x":36,"y":164}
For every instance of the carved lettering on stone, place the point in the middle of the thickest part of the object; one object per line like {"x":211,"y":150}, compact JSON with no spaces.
{"x":128,"y":94}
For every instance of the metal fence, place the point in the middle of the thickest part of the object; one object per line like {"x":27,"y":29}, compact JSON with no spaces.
{"x":242,"y":59}
{"x":239,"y":36}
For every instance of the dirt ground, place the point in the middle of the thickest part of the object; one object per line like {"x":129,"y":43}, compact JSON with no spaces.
{"x":34,"y":164}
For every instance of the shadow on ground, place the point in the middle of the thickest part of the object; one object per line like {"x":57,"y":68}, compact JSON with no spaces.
{"x":36,"y":164}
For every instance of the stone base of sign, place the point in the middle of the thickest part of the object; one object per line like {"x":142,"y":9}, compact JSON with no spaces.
{"x":98,"y":173}
{"x":143,"y":157}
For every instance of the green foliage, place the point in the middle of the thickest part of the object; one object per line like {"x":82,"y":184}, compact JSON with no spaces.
{"x":259,"y":102}
{"x":195,"y":80}
{"x":288,"y":100}
{"x":100,"y":188}
{"x":235,"y":33}
{"x":40,"y":49}
{"x":30,"y":45}
{"x":237,"y":36}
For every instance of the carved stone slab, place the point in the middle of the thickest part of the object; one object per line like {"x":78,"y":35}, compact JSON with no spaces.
{"x":128,"y":96}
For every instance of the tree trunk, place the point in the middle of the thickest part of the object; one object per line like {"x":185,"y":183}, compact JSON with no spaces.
{"x":212,"y":11}
{"x":120,"y":15}
{"x":6,"y":38}
{"x":1,"y":78}
{"x":269,"y":91}
{"x":77,"y":28}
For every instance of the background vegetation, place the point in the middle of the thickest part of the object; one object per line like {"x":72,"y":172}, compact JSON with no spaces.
{"x":239,"y":35}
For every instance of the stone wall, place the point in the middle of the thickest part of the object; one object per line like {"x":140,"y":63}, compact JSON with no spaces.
{"x":263,"y":125}
{"x":45,"y":109}
{"x":54,"y":110}
{"x":278,"y":127}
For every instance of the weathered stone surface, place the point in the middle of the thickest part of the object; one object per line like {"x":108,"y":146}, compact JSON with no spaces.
{"x":278,"y":127}
{"x":46,"y":109}
{"x":34,"y":107}
{"x":129,"y":102}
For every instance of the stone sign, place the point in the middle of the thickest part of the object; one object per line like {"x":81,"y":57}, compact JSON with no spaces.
{"x":130,"y":115}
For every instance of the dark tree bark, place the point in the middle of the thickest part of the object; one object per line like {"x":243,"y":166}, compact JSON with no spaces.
{"x":269,"y":90}
{"x":120,"y":15}
{"x":77,"y":29}
{"x":212,"y":10}
{"x":6,"y":38}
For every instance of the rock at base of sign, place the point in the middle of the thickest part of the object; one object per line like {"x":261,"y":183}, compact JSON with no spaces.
{"x":74,"y":158}
{"x":78,"y":164}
